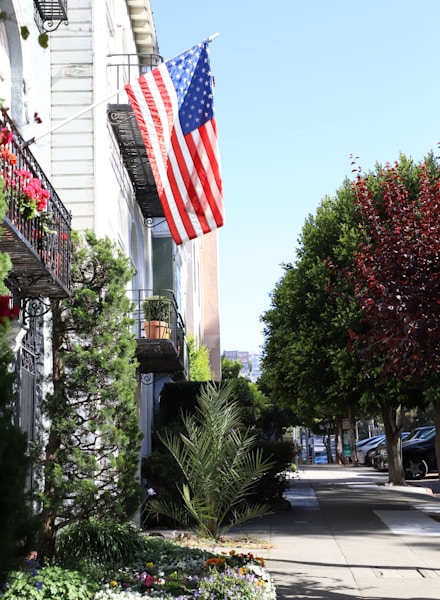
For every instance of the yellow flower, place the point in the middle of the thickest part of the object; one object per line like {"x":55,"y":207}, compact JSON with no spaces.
{"x":113,"y":583}
{"x":149,"y":565}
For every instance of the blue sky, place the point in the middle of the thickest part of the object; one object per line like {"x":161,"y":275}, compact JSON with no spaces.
{"x":301,"y":85}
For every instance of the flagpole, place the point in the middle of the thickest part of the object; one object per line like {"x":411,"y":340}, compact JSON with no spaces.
{"x":73,"y":117}
{"x":91,"y":107}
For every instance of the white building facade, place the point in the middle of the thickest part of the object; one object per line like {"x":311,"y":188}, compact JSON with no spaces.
{"x":70,"y":98}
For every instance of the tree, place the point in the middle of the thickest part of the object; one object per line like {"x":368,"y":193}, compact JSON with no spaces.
{"x":397,"y":273}
{"x":306,"y":361}
{"x":230,"y":368}
{"x":200,"y":369}
{"x":219,"y":465}
{"x":90,"y":459}
{"x":314,"y":353}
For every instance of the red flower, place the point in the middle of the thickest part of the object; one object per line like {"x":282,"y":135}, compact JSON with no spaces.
{"x":5,"y":136}
{"x":6,"y":312}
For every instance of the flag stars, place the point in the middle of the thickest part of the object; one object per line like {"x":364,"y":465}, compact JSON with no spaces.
{"x":192,"y":79}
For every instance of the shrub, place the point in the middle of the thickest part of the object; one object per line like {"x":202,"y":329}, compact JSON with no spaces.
{"x":48,"y":583}
{"x":163,"y":569}
{"x":101,"y":542}
{"x":220,"y":466}
{"x":272,"y":485}
{"x":163,"y":474}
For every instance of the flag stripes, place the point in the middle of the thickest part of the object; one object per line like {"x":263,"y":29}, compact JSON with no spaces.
{"x":186,"y":165}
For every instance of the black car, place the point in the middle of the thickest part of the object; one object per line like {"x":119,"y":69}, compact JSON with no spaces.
{"x":418,"y":457}
{"x":379,"y":459}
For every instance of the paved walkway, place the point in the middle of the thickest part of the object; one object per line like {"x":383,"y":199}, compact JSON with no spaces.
{"x":348,"y":535}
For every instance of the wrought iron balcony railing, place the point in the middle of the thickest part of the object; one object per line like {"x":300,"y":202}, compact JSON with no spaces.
{"x":121,"y":69}
{"x":49,"y":14}
{"x":160,"y":333}
{"x":37,"y":227}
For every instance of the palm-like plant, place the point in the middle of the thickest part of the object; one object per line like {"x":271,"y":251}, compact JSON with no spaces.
{"x":219,"y":464}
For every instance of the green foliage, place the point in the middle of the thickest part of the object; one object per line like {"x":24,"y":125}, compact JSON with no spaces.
{"x":104,"y":543}
{"x":307,"y":364}
{"x":158,"y":568}
{"x":272,"y":484}
{"x":91,"y":457}
{"x":159,"y":469}
{"x":175,"y":398}
{"x":274,"y":421}
{"x":157,"y":308}
{"x":230,"y":368}
{"x":255,"y":411}
{"x":219,"y":465}
{"x":24,"y":32}
{"x":43,"y":40}
{"x":48,"y":583}
{"x":200,"y":369}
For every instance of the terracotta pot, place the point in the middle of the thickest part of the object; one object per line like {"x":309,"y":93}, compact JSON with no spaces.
{"x":156,"y":330}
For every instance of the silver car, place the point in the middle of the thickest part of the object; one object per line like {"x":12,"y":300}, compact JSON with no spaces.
{"x":366,"y":447}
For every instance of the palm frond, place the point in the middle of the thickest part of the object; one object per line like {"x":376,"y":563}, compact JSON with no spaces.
{"x":218,"y":461}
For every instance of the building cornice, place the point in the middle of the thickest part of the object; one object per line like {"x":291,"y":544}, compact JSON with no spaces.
{"x":144,"y":32}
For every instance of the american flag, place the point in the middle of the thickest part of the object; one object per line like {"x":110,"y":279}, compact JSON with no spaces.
{"x":173,"y":105}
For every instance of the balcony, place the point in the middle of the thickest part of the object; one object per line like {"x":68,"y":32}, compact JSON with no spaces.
{"x":38,"y":241}
{"x":49,"y":14}
{"x":161,"y":344}
{"x":124,"y":68}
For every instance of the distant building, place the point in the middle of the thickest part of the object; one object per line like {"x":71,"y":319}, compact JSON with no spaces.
{"x":250,"y":363}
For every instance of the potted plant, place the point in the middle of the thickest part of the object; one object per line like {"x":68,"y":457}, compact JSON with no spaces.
{"x":157,"y":311}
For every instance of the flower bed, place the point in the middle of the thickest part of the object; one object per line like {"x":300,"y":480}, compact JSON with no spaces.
{"x":165,"y":571}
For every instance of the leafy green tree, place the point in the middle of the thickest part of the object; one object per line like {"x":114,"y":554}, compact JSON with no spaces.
{"x":219,"y":464}
{"x":230,"y":368}
{"x":200,"y":369}
{"x":306,"y":362}
{"x":90,"y":460}
{"x":327,"y":351}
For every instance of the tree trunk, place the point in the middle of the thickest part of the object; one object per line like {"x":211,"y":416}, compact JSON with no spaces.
{"x":48,"y":537}
{"x":326,"y":440}
{"x":48,"y":530}
{"x":338,"y":457}
{"x":393,"y":423}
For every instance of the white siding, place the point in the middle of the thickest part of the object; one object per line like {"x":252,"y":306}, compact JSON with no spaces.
{"x":71,"y":53}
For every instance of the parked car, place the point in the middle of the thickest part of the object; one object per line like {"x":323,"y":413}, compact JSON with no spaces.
{"x":418,"y":456}
{"x":365,"y":448}
{"x":379,"y":458}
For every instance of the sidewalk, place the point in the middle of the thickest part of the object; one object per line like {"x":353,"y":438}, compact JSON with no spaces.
{"x":348,"y":535}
